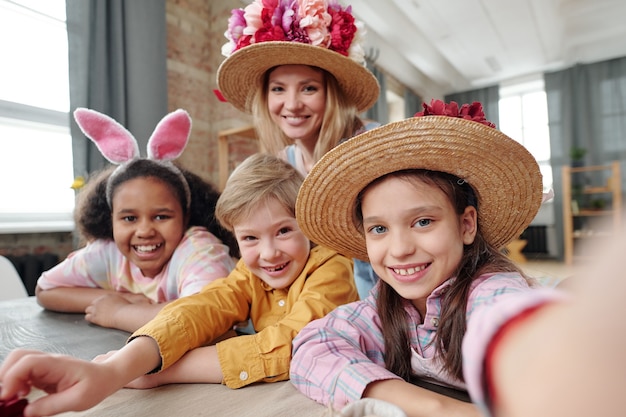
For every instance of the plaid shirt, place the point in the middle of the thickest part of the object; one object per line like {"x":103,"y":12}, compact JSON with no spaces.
{"x":336,"y":357}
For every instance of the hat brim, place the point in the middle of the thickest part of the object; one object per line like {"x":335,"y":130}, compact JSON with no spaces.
{"x":504,"y":175}
{"x":242,"y":72}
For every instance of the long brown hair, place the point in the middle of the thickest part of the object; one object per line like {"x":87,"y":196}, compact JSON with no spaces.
{"x":478,"y":258}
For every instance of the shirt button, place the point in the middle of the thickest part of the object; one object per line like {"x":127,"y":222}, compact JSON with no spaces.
{"x":243,"y":375}
{"x":434,"y":321}
{"x":281,"y":303}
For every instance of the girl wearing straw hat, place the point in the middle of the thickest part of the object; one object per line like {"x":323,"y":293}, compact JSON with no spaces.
{"x":429,"y":202}
{"x":298,"y":67}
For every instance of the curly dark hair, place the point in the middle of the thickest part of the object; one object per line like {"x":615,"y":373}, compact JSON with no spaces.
{"x":93,"y":215}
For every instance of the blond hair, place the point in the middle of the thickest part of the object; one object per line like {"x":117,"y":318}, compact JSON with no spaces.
{"x":257,"y":179}
{"x":340,"y":119}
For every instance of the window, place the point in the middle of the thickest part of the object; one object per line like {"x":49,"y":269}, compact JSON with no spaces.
{"x":36,"y":169}
{"x":524,"y":117}
{"x":395,"y":104}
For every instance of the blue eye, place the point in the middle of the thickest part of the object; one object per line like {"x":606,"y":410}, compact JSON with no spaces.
{"x":423,"y":222}
{"x":377,"y":230}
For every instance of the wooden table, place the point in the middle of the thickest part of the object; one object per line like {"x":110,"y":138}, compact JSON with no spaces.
{"x":24,"y":324}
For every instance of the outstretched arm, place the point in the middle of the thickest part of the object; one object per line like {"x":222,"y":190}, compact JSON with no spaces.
{"x":198,"y":366}
{"x":73,"y":384}
{"x":567,"y":359}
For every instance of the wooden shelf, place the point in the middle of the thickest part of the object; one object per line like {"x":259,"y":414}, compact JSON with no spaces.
{"x":222,"y":149}
{"x":597,"y":190}
{"x":612,"y":214}
{"x":583,"y":213}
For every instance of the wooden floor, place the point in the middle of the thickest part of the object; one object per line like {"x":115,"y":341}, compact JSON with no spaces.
{"x":550,"y":268}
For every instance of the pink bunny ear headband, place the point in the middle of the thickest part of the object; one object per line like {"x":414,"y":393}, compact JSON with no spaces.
{"x":120,"y":147}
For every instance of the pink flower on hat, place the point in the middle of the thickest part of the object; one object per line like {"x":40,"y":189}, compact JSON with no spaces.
{"x":236,"y":26}
{"x":315,"y":21}
{"x":472,"y":111}
{"x":252,"y":15}
{"x":323,"y":23}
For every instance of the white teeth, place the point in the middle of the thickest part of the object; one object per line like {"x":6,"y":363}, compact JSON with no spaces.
{"x":408,"y":271}
{"x":146,"y":248}
{"x":277,"y":268}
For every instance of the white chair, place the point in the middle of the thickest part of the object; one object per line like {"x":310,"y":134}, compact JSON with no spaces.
{"x":11,"y":285}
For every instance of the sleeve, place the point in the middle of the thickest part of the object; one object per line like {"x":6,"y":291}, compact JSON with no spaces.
{"x":85,"y":267}
{"x":336,"y":357}
{"x":198,"y":319}
{"x":483,"y":325}
{"x":266,"y":355}
{"x":203,"y":258}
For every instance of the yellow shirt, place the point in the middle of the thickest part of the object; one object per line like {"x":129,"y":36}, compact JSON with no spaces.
{"x":325,"y":282}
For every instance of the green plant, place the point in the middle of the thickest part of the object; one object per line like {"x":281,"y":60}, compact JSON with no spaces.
{"x":577,"y":154}
{"x":598,"y":204}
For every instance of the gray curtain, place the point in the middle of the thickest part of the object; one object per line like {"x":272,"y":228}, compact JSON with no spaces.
{"x":488,"y":96}
{"x":586,"y":109}
{"x":412,"y":103}
{"x":380,"y":110}
{"x":117,"y":66}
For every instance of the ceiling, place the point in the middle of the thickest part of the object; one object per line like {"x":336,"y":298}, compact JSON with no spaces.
{"x":437,"y":47}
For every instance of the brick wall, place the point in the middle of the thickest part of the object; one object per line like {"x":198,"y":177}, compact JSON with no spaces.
{"x":195,"y":35}
{"x":19,"y":244}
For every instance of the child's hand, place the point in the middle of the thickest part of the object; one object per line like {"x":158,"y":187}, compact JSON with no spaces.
{"x":103,"y":310}
{"x":122,"y":311}
{"x":13,"y":407}
{"x":72,"y":384}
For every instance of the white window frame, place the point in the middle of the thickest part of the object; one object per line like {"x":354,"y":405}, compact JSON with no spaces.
{"x":47,"y":121}
{"x":521,"y":88}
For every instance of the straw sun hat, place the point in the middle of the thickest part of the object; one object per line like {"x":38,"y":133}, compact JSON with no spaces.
{"x":327,"y":38}
{"x":502,"y":173}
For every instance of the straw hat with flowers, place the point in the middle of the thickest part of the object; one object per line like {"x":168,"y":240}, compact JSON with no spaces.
{"x":319,"y":33}
{"x":444,"y":137}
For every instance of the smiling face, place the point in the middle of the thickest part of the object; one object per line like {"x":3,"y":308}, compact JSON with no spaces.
{"x":148,"y":223}
{"x":296,"y":100}
{"x":272,"y":245}
{"x":416,"y":243}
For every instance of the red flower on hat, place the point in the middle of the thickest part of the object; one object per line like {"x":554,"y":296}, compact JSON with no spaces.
{"x":342,"y":30}
{"x":323,"y":23}
{"x":472,"y":111}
